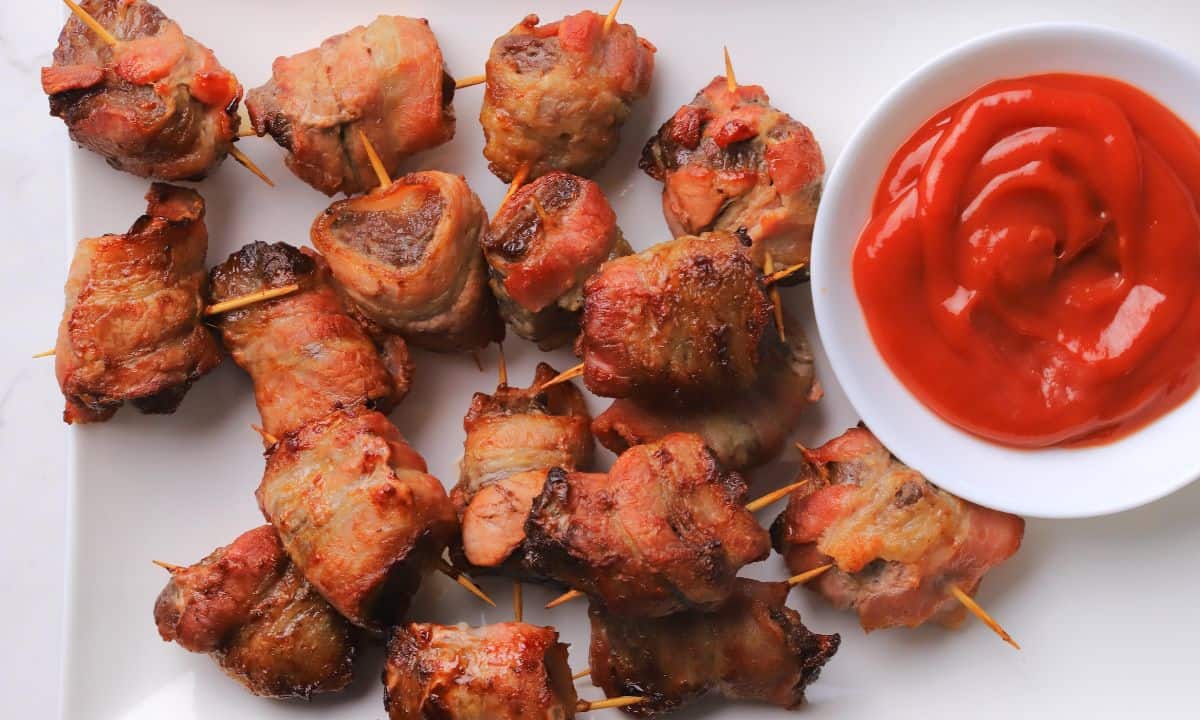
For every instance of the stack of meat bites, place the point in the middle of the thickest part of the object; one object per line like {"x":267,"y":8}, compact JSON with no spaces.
{"x":249,"y":606}
{"x":707,"y":375}
{"x":352,"y":501}
{"x":546,"y":240}
{"x":356,"y":519}
{"x":681,"y":336}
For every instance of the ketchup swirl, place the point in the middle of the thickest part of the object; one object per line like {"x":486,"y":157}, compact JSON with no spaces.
{"x":1032,"y":266}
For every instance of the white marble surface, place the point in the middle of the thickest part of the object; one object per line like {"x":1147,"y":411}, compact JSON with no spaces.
{"x":32,"y":435}
{"x":1135,"y":588}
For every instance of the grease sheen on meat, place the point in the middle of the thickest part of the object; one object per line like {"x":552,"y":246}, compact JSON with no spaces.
{"x":744,"y":431}
{"x":357,"y":512}
{"x":753,"y":647}
{"x":386,"y":80}
{"x":684,"y":319}
{"x":514,"y":437}
{"x":558,"y":94}
{"x":551,"y":236}
{"x":157,"y":104}
{"x":732,"y":160}
{"x":517,"y":429}
{"x":305,"y":354}
{"x":506,"y":671}
{"x":665,"y":530}
{"x":408,"y":257}
{"x":133,"y":324}
{"x":248,"y":606}
{"x":897,"y":542}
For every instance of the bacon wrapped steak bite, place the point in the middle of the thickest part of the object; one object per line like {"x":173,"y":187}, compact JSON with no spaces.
{"x":248,"y":606}
{"x":685,"y":320}
{"x":753,"y":647}
{"x":133,"y":324}
{"x":743,"y":431}
{"x":305,"y":354}
{"x":386,"y":80}
{"x":357,"y":512}
{"x":517,"y":429}
{"x":408,"y":257}
{"x":731,"y":160}
{"x":664,"y":531}
{"x":513,"y":438}
{"x":507,"y":671}
{"x":551,"y":236}
{"x":897,"y":542}
{"x":157,"y":104}
{"x":558,"y":94}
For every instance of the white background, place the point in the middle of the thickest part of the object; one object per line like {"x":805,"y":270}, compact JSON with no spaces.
{"x":1107,"y":609}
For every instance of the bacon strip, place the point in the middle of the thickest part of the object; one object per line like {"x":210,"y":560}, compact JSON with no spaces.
{"x":897,"y":542}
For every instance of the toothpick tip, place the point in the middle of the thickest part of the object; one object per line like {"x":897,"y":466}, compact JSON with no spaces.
{"x":611,"y":17}
{"x":501,"y":367}
{"x":564,"y":376}
{"x":447,"y":569}
{"x":250,"y":299}
{"x":772,"y":497}
{"x":978,"y":611}
{"x":730,"y":78}
{"x":566,"y":597}
{"x":91,"y":22}
{"x":266,"y":436}
{"x":806,"y":576}
{"x":381,"y":173}
{"x":469,"y":81}
{"x":613,"y":702}
{"x":247,"y":163}
{"x":517,"y":181}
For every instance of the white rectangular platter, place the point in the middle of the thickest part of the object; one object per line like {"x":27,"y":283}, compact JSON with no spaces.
{"x":1106,"y":609}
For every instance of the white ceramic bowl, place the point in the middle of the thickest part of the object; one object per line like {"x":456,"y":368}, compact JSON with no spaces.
{"x":1079,"y":482}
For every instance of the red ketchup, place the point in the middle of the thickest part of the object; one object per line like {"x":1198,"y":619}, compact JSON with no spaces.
{"x":1031,"y":270}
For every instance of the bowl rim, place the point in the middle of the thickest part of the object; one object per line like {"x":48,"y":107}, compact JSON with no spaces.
{"x":825,"y":236}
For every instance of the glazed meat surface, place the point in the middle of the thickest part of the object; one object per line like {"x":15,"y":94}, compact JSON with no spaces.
{"x":684,"y":319}
{"x":664,"y":531}
{"x":357,"y":512}
{"x":743,"y":431}
{"x":517,"y":429}
{"x":551,"y":236}
{"x":157,"y":104}
{"x":408,"y":257}
{"x":558,"y":94}
{"x":305,"y":354}
{"x":493,"y":524}
{"x":513,"y":438}
{"x":732,"y":160}
{"x":133,"y":324}
{"x":507,"y":671}
{"x":248,"y":606}
{"x":386,"y":80}
{"x":751,"y":648}
{"x":897,"y":542}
